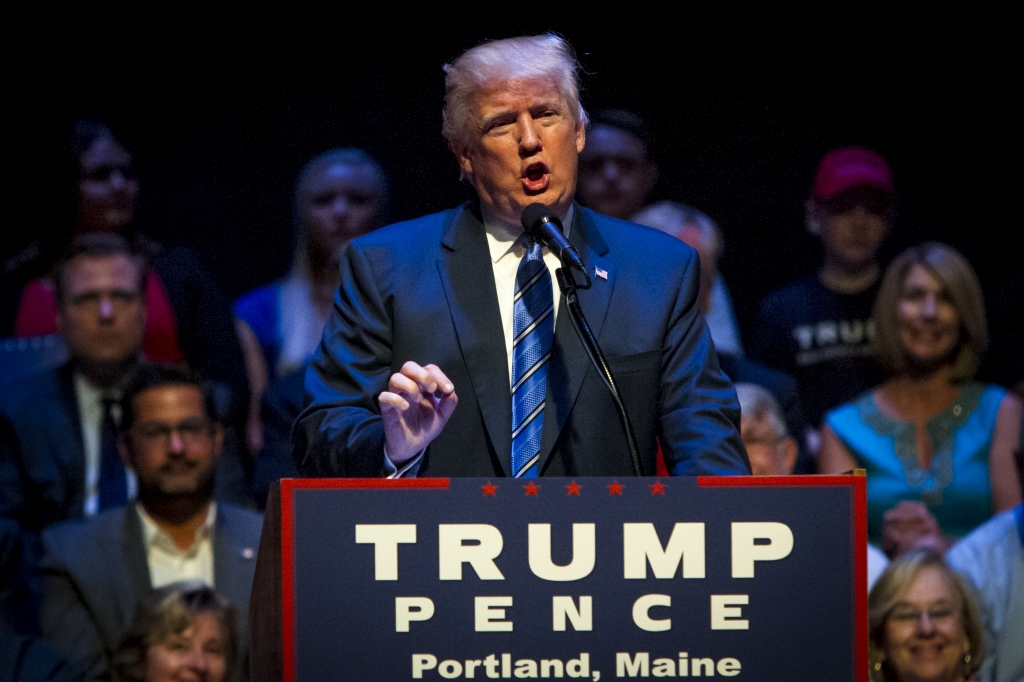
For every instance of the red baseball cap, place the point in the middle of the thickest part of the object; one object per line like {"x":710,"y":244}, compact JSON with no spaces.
{"x":849,"y":167}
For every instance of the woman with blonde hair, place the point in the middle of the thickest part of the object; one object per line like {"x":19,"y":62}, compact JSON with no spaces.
{"x":933,"y":441}
{"x":923,"y":624}
{"x":184,"y":630}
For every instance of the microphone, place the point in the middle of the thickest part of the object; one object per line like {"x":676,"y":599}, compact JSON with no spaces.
{"x":542,"y":224}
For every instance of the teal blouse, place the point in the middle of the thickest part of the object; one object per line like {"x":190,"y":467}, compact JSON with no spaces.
{"x":955,"y":488}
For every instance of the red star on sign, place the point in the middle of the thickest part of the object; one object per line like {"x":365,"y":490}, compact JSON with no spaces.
{"x":658,"y":488}
{"x":531,"y":489}
{"x":615,"y":489}
{"x":489,"y":489}
{"x":574,"y":489}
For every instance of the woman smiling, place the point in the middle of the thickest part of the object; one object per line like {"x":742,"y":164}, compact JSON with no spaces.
{"x":923,"y":625}
{"x":930,"y":439}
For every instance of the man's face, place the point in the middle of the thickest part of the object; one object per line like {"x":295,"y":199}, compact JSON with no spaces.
{"x":172,"y":445}
{"x":853,"y":238}
{"x":521,"y":149}
{"x":102,"y":313}
{"x":769,"y":454}
{"x":107,"y":187}
{"x":615,"y":174}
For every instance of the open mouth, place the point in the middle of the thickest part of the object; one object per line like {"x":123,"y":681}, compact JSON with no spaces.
{"x":535,"y":179}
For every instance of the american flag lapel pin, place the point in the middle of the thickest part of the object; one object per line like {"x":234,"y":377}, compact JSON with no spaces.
{"x":598,"y":272}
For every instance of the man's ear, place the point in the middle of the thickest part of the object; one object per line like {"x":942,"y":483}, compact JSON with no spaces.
{"x":789,"y":453}
{"x":124,"y":451}
{"x":813,"y":217}
{"x":581,"y":137}
{"x":61,"y":322}
{"x":218,"y":439}
{"x":461,"y":152}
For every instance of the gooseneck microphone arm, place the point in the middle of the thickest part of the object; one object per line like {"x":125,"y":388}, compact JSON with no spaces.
{"x":541,"y":223}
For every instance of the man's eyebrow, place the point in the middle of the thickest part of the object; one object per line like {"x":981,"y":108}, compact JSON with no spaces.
{"x":488,"y":120}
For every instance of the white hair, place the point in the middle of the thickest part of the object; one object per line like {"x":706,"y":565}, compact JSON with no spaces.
{"x":671,"y":217}
{"x":759,"y":405}
{"x":525,"y":58}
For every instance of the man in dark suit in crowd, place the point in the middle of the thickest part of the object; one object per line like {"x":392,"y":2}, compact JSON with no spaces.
{"x":58,"y":428}
{"x":96,"y":570}
{"x":58,"y":435}
{"x":443,"y":356}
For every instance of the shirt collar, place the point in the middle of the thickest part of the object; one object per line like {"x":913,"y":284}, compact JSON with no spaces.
{"x":154,"y":536}
{"x":500,"y":240}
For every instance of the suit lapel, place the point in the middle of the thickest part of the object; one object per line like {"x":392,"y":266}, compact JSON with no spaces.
{"x":569,"y":360}
{"x":227,"y":555}
{"x":72,"y":451}
{"x":468,"y":280}
{"x":136,"y":564}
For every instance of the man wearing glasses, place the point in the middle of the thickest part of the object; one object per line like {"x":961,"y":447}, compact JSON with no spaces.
{"x":95,"y":571}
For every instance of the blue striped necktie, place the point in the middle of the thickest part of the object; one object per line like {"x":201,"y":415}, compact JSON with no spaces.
{"x":533,"y":326}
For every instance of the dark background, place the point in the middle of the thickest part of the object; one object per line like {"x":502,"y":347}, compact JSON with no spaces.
{"x":221,"y":118}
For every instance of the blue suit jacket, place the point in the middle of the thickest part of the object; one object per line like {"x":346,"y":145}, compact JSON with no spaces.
{"x":424,"y":291}
{"x":95,"y":573}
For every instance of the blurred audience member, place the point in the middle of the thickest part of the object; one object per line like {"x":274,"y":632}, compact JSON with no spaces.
{"x":699,"y":231}
{"x":19,"y":610}
{"x":923,"y":623}
{"x":702,"y":233}
{"x":96,"y":571}
{"x":183,"y":631}
{"x":282,"y":404}
{"x":991,"y":558}
{"x":58,"y":433}
{"x":930,"y":434}
{"x":28,"y":659}
{"x":188,"y":318}
{"x":820,"y":329}
{"x":615,"y":173}
{"x":773,"y":451}
{"x":340,"y":195}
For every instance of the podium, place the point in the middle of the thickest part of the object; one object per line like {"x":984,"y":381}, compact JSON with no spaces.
{"x":760,"y":578}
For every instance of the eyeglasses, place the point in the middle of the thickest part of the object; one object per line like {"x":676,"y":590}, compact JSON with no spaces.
{"x":936,"y":614}
{"x":191,"y":431}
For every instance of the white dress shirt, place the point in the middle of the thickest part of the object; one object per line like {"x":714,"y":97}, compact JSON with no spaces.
{"x":507,"y":250}
{"x":167,"y":563}
{"x":90,"y":417}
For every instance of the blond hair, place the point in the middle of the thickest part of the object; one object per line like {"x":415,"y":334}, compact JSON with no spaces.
{"x":892,"y":586}
{"x":169,"y":611}
{"x":540,"y":57}
{"x":958,"y":279}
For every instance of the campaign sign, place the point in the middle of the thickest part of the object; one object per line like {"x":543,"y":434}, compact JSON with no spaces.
{"x":588,"y":578}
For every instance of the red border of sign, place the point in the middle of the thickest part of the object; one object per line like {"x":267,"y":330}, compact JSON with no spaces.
{"x":288,"y":485}
{"x":859,"y":548}
{"x":859,"y":518}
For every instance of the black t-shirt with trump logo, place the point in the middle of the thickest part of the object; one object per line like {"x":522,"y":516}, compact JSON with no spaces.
{"x":823,"y":338}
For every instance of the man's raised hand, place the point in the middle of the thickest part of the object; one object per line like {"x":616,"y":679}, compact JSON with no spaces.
{"x":418,"y":403}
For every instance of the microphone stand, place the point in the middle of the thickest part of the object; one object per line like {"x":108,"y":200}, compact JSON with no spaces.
{"x":567,"y":283}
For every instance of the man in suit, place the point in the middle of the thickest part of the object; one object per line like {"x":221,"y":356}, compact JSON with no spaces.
{"x":58,"y":435}
{"x":422,"y":367}
{"x":95,"y":571}
{"x":58,"y":427}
